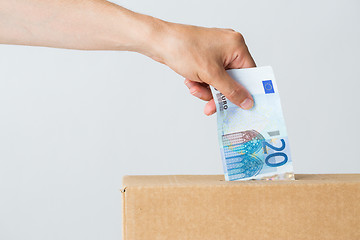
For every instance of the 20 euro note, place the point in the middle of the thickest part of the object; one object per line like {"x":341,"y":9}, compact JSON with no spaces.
{"x":254,"y":143}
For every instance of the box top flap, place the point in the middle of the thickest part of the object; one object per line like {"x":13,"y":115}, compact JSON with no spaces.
{"x":210,"y":180}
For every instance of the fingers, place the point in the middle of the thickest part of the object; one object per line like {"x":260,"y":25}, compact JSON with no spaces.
{"x":233,"y":91}
{"x":243,"y":60}
{"x":210,"y":107}
{"x":248,"y":60}
{"x":203,"y":92}
{"x":199,"y":90}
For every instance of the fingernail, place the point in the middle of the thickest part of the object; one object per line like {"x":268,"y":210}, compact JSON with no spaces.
{"x":195,"y":93}
{"x":247,"y":104}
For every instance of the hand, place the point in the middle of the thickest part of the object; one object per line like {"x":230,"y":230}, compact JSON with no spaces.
{"x":202,"y":55}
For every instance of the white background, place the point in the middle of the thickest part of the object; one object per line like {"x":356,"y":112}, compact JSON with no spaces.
{"x":73,"y":123}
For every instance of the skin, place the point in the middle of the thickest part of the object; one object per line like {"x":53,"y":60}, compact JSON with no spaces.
{"x":201,"y":55}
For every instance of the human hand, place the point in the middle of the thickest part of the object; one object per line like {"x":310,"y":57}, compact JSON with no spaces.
{"x":199,"y":54}
{"x":202,"y":55}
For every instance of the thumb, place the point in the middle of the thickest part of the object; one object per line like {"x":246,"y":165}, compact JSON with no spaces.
{"x":233,"y":91}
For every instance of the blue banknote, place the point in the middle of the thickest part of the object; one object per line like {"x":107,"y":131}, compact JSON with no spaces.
{"x":254,"y":143}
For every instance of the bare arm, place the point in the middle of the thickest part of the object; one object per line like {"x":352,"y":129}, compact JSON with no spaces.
{"x":199,"y":54}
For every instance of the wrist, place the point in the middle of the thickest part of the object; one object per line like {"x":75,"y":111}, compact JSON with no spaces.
{"x":151,"y":36}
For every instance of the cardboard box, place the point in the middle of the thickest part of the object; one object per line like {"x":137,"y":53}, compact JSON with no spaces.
{"x":314,"y":207}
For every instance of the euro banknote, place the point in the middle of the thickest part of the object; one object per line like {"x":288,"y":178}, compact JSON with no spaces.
{"x":254,"y":143}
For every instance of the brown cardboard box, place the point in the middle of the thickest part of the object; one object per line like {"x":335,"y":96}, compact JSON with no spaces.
{"x":314,"y":207}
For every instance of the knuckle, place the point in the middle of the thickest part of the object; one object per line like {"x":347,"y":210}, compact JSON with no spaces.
{"x":238,"y":37}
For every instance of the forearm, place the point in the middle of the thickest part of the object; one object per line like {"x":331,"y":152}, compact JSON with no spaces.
{"x":77,"y":24}
{"x":199,"y":54}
